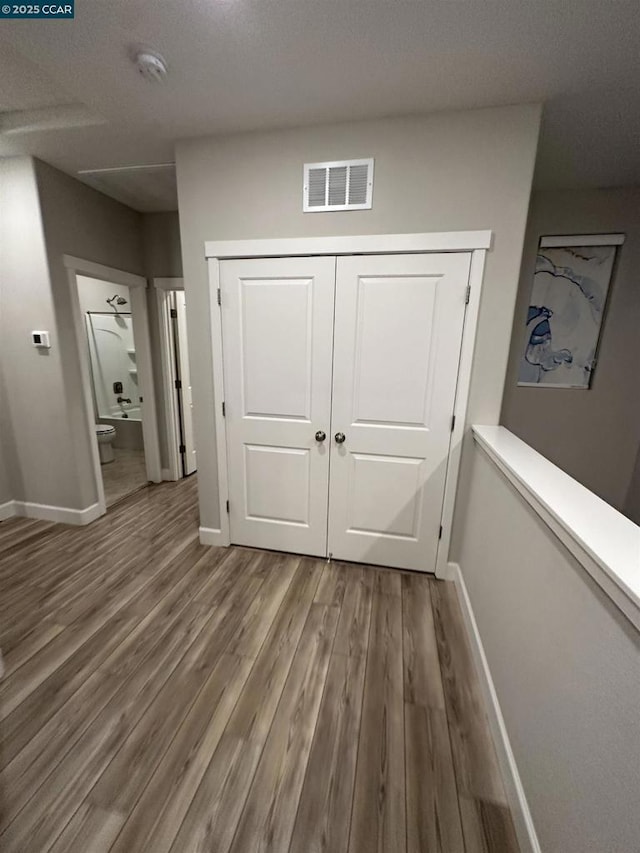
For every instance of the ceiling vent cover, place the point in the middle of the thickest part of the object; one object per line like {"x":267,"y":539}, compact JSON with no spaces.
{"x":340,"y":185}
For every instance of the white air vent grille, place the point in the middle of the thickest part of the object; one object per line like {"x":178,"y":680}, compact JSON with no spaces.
{"x":345,"y":185}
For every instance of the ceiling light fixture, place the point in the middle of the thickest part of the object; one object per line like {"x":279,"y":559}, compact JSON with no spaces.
{"x":151,"y":65}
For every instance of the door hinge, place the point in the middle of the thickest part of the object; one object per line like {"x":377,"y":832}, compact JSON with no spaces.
{"x":440,"y":533}
{"x":178,"y":384}
{"x":224,"y":410}
{"x":227,"y":506}
{"x":182,"y":448}
{"x":140,"y":399}
{"x":453,"y":422}
{"x":467,"y":296}
{"x":219,"y":297}
{"x":173,"y":313}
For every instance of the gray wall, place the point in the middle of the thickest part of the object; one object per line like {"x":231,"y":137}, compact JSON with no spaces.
{"x":40,"y":454}
{"x":161,"y":245}
{"x":593,"y":435}
{"x":468,"y":170}
{"x":162,"y":259}
{"x":566,"y":667}
{"x":44,"y":215}
{"x":82,"y":222}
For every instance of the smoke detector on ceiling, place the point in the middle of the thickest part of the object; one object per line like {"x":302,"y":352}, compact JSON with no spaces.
{"x":151,"y":65}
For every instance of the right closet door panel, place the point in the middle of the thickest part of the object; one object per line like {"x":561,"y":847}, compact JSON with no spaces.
{"x":397,"y":337}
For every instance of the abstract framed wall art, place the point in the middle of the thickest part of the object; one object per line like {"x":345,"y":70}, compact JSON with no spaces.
{"x":564,"y":318}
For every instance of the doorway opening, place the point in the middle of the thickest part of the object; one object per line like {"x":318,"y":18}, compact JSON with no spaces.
{"x":115,"y":386}
{"x":109,"y":308}
{"x":176,"y":389}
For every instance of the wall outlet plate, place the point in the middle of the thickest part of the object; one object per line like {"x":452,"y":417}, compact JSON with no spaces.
{"x":41,"y":340}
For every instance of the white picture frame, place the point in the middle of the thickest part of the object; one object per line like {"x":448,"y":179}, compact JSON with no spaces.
{"x":566,"y":309}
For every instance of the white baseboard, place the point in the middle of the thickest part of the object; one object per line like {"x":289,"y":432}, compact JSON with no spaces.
{"x":59,"y":514}
{"x":447,"y":572}
{"x":7,"y":510}
{"x":168,"y":476}
{"x":212,"y":536}
{"x":523,"y":822}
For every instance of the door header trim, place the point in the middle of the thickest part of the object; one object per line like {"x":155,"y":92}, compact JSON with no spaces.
{"x":79,"y":266}
{"x":368,"y":244}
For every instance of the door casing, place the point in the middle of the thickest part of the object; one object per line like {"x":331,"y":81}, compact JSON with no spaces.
{"x":137,"y":286}
{"x":188,"y":457}
{"x":476,"y":242}
{"x":164,"y":288}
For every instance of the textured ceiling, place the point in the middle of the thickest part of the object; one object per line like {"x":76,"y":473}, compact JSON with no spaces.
{"x":248,"y":64}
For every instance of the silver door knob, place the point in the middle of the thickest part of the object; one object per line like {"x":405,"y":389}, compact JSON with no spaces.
{"x":340,"y":437}
{"x":320,"y":435}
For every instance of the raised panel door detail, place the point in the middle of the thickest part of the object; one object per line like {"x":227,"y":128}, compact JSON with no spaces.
{"x":277,"y":337}
{"x":277,"y":333}
{"x":265,"y":466}
{"x":391,"y":350}
{"x":384,"y":495}
{"x":397,"y":337}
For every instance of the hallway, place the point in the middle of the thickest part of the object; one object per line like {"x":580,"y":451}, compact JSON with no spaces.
{"x":161,"y":695}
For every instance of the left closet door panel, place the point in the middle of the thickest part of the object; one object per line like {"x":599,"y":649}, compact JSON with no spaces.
{"x":277,"y":329}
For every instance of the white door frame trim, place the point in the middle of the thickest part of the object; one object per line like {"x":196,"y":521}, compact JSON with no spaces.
{"x":475,"y":242}
{"x":139,"y":315}
{"x":167,"y":354}
{"x":368,"y":244}
{"x":465,"y":365}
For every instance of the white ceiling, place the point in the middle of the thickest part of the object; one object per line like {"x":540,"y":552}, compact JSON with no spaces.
{"x":248,"y":64}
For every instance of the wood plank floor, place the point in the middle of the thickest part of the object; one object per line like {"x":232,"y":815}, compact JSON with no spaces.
{"x":164,"y":696}
{"x":126,"y":474}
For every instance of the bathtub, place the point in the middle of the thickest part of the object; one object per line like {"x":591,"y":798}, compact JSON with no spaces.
{"x":130,"y":413}
{"x":128,"y":430}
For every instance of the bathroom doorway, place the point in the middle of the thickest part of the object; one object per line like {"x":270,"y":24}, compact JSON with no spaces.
{"x":111,"y":322}
{"x":115,"y":387}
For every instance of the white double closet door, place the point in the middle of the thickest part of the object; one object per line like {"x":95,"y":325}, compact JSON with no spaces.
{"x":340,"y":379}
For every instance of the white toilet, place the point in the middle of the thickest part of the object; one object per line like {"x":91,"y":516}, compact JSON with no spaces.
{"x":106,"y":434}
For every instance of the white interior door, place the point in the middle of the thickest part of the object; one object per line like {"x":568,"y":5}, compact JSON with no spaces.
{"x":398,"y":331}
{"x":186,"y":391}
{"x":277,"y":330}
